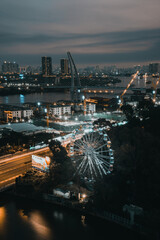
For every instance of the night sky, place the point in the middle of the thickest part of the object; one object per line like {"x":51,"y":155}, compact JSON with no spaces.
{"x":94,"y":31}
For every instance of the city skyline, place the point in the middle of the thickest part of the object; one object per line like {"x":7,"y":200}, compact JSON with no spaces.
{"x":96,"y":32}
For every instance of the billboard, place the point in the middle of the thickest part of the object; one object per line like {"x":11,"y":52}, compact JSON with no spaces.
{"x":41,"y":163}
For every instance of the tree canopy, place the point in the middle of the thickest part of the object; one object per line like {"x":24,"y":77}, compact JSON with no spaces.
{"x":135,"y":178}
{"x":61,"y":167}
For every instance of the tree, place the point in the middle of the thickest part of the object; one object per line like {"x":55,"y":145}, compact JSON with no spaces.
{"x":102,"y":122}
{"x":61,"y":167}
{"x":144,"y":107}
{"x":135,"y":177}
{"x":128,"y":111}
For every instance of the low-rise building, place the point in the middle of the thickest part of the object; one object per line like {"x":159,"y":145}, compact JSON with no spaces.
{"x":60,"y":110}
{"x":27,"y":113}
{"x":90,"y":107}
{"x":9,"y":112}
{"x":12,"y":114}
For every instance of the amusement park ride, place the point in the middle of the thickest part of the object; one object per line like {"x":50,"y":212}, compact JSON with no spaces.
{"x":92,"y":153}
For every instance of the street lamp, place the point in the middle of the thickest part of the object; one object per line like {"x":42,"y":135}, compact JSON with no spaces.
{"x":83,"y":97}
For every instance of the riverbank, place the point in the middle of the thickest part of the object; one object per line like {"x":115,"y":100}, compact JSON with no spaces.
{"x":81,"y":209}
{"x":37,"y":220}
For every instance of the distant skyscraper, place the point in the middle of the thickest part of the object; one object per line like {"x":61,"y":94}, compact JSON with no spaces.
{"x":64,"y":66}
{"x":8,"y":67}
{"x":23,"y":69}
{"x":154,"y":68}
{"x":46,"y":66}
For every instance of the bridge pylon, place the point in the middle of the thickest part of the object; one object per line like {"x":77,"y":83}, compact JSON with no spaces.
{"x":75,"y":90}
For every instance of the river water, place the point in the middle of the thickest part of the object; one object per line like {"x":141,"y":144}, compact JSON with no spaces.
{"x":19,"y":99}
{"x":55,"y":96}
{"x":28,"y":220}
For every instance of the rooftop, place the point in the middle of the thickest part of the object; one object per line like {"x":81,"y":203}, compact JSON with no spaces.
{"x":22,"y":127}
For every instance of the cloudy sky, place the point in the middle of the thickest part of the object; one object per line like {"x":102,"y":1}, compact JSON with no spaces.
{"x":94,"y":31}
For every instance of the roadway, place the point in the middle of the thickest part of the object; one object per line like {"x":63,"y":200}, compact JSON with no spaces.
{"x":87,"y":88}
{"x":16,"y":165}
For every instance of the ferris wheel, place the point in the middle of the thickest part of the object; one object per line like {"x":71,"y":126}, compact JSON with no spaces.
{"x":92,"y":154}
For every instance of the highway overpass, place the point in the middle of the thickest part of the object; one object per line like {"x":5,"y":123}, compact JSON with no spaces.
{"x":15,"y":165}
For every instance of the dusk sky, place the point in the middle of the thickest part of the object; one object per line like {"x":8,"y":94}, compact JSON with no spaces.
{"x":94,"y":31}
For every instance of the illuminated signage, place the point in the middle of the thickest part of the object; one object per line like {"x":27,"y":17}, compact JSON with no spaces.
{"x":41,"y":163}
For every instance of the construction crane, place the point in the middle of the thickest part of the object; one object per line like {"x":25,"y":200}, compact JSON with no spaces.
{"x":84,"y":103}
{"x":129,"y":84}
{"x":155,"y":89}
{"x":75,"y":81}
{"x":47,"y":115}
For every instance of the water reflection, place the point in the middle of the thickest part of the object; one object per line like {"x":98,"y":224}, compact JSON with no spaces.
{"x":83,"y":220}
{"x":2,"y":218}
{"x":22,"y":99}
{"x":32,"y":221}
{"x":58,"y":215}
{"x":22,"y":214}
{"x":38,"y":223}
{"x":6,"y":100}
{"x":34,"y":97}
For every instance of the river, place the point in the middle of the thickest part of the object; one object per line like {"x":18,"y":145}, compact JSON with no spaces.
{"x":19,"y":99}
{"x":28,"y":220}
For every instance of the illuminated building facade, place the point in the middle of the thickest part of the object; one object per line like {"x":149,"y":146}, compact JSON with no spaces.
{"x":8,"y":67}
{"x":60,"y":110}
{"x":47,"y":66}
{"x":64,"y":66}
{"x":154,"y":68}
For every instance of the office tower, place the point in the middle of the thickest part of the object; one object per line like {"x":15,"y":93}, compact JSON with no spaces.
{"x":47,"y":66}
{"x":154,"y":68}
{"x":23,"y":69}
{"x":64,"y":66}
{"x":8,"y":67}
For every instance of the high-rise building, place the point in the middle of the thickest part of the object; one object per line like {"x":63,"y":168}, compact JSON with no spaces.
{"x":154,"y":68}
{"x":47,"y":66}
{"x":9,"y":67}
{"x":23,"y":69}
{"x":64,"y":66}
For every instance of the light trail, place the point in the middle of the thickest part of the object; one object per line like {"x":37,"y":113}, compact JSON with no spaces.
{"x":26,"y":154}
{"x":12,"y":167}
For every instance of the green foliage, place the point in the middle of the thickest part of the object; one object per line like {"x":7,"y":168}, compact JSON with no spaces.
{"x":135,"y":178}
{"x":128,"y":111}
{"x":61,"y":168}
{"x":102,"y":122}
{"x":18,"y":140}
{"x":33,"y":183}
{"x":144,"y":107}
{"x":59,"y":152}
